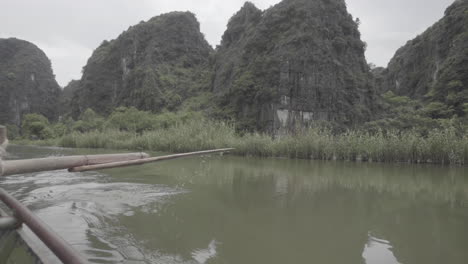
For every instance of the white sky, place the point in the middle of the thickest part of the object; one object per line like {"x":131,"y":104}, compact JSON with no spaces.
{"x":69,"y":30}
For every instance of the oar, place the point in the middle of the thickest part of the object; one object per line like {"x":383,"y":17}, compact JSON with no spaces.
{"x":144,"y":161}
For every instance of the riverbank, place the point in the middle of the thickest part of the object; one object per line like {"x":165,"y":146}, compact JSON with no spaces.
{"x":439,"y":146}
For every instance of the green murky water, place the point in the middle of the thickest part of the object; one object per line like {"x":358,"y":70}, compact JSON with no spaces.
{"x":224,"y":209}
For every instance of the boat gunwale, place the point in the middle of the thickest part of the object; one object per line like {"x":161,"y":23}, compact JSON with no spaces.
{"x":34,"y":247}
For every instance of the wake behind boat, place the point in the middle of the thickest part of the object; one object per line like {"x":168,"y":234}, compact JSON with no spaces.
{"x":16,"y":246}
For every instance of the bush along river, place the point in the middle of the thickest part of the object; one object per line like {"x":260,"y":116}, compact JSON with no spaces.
{"x":227,"y":209}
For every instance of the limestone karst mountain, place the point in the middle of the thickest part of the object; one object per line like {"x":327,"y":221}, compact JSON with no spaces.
{"x":27,"y":83}
{"x":66,"y":97}
{"x":154,"y":65}
{"x":433,"y":67}
{"x":295,"y":63}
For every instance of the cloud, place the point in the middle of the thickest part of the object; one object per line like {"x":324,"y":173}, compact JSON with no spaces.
{"x":388,"y":25}
{"x":66,"y":56}
{"x":212,"y":14}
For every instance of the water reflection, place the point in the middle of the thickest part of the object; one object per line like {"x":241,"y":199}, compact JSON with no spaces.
{"x":243,"y":210}
{"x":203,"y":255}
{"x":378,"y":251}
{"x":277,"y":211}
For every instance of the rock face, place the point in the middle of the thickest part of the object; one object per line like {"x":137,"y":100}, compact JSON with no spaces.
{"x":154,"y":65}
{"x":433,"y":67}
{"x":66,"y":97}
{"x":27,"y":83}
{"x":297,"y":63}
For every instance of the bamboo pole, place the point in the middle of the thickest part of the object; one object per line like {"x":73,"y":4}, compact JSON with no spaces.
{"x":143,"y":161}
{"x":3,"y":135}
{"x":86,"y":162}
{"x":8,"y":222}
{"x":11,"y":167}
{"x":3,"y":141}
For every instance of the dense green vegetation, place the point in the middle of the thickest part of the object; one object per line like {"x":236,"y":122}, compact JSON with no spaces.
{"x":131,"y":129}
{"x":403,"y":113}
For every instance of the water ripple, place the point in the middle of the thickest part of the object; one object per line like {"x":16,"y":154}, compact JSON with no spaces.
{"x":85,"y":209}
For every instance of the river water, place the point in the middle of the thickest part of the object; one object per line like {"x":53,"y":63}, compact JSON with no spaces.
{"x":235,"y":210}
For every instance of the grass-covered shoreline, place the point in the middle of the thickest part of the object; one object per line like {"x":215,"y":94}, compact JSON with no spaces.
{"x":442,"y":146}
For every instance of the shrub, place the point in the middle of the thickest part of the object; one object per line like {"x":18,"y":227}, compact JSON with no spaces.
{"x":36,"y":126}
{"x":13,"y":132}
{"x":89,"y":121}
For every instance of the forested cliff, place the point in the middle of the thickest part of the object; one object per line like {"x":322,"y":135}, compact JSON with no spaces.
{"x":152,"y":66}
{"x":433,"y":67}
{"x":294,"y":64}
{"x":27,"y":83}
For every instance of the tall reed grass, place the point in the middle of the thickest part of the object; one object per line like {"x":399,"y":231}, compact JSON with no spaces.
{"x":440,"y":146}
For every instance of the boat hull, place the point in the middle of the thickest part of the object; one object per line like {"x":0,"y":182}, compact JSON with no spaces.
{"x":16,"y":247}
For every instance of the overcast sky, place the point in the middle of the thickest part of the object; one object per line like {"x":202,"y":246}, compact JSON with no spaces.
{"x":68,"y":31}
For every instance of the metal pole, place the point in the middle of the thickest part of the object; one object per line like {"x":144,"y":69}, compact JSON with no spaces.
{"x":54,"y":242}
{"x":144,"y":161}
